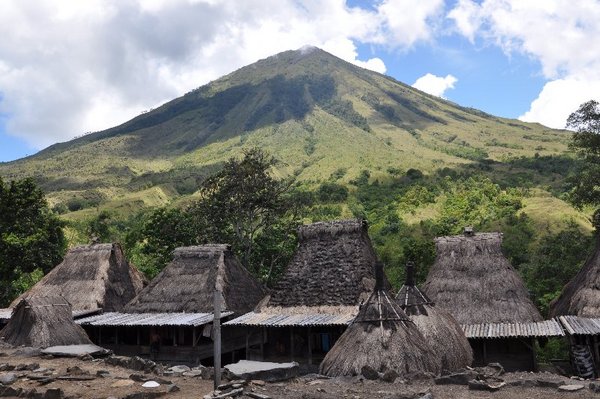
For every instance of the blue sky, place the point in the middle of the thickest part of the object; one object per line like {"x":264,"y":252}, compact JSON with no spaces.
{"x":71,"y":67}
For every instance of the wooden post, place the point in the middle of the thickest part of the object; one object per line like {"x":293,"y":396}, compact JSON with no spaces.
{"x":193,"y":336}
{"x":484,"y":353}
{"x":137,"y":338}
{"x":263,"y":333}
{"x":310,"y":359}
{"x":247,"y":342}
{"x":292,"y":343}
{"x":117,"y":336}
{"x":99,"y":335}
{"x":596,"y":353}
{"x":217,"y":337}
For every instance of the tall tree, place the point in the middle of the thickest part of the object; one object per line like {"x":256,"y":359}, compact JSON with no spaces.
{"x":31,"y":236}
{"x":585,"y":185}
{"x":243,"y":202}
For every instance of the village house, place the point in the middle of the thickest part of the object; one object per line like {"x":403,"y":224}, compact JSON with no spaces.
{"x":317,"y":297}
{"x":171,"y":319}
{"x":475,"y":283}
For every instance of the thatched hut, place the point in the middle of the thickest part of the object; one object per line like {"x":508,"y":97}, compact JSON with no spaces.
{"x":438,"y":326}
{"x":331,"y":273}
{"x":578,"y":309}
{"x":581,"y":295}
{"x":42,"y":322}
{"x":176,"y":308}
{"x":475,"y":283}
{"x":91,"y":277}
{"x":381,"y":337}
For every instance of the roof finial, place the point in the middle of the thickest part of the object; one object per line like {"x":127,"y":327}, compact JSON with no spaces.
{"x":410,"y":274}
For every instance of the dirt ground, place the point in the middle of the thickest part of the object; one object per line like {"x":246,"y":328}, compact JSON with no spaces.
{"x":115,"y":383}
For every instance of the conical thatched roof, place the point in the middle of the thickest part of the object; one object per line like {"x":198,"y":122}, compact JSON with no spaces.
{"x":382,"y":337}
{"x":91,"y":277}
{"x":41,"y":322}
{"x":188,"y":283}
{"x":440,"y":329}
{"x":473,"y":281}
{"x":581,"y":295}
{"x":333,"y":266}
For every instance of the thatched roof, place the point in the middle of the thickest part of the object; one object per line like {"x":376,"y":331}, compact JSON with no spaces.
{"x":439,"y":328}
{"x":581,"y":295}
{"x":188,"y":283}
{"x":90,"y":277}
{"x":42,"y":322}
{"x":473,"y":281}
{"x":381,"y":337}
{"x":333,"y":266}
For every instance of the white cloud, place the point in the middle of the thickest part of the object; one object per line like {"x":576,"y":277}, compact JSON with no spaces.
{"x":72,"y":66}
{"x":559,"y":98}
{"x":435,"y":85}
{"x":560,"y":34}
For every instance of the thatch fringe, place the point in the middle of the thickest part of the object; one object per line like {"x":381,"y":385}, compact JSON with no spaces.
{"x":91,"y":277}
{"x":581,"y":295}
{"x":188,"y":283}
{"x":473,"y":281}
{"x":333,"y":266}
{"x":383,"y":338}
{"x":41,"y":322}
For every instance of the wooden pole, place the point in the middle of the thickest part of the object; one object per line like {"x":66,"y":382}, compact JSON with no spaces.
{"x":247,"y":342}
{"x":292,"y":343}
{"x":310,"y":359}
{"x":217,"y":337}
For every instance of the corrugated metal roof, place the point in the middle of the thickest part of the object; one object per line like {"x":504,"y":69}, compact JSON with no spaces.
{"x":547,"y":328}
{"x":575,"y":325}
{"x":149,"y":319}
{"x":288,"y":320}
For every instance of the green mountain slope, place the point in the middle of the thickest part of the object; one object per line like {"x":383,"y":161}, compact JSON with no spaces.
{"x":316,"y":113}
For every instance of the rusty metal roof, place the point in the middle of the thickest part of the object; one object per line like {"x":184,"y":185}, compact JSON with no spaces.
{"x":547,"y":328}
{"x":113,"y":319}
{"x":575,"y":325}
{"x":289,"y":320}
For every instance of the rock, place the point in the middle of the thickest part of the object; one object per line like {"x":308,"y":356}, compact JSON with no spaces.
{"x":172,"y":388}
{"x":193,"y":373}
{"x":138,"y":377}
{"x":30,"y":367}
{"x":594,"y":387}
{"x":389,"y":376}
{"x":27,"y":352}
{"x":76,"y":351}
{"x":570,"y":387}
{"x":369,"y":373}
{"x":6,"y":367}
{"x":545,"y":383}
{"x":102,"y":373}
{"x":145,"y":395}
{"x":150,"y":384}
{"x":476,"y":385}
{"x":85,"y":357}
{"x":260,"y":383}
{"x":41,"y":370}
{"x":75,"y":370}
{"x":7,"y":378}
{"x":267,"y":371}
{"x":461,"y":378}
{"x":54,"y":393}
{"x":496,"y":369}
{"x":10,"y":392}
{"x":179,"y":369}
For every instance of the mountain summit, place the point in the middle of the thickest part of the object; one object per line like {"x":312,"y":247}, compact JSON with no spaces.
{"x":315,"y":112}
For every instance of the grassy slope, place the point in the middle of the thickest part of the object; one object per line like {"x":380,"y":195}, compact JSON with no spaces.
{"x":141,"y":162}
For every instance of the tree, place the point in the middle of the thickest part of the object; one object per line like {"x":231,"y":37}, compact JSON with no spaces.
{"x":242,"y":204}
{"x":585,"y":184}
{"x":31,"y":236}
